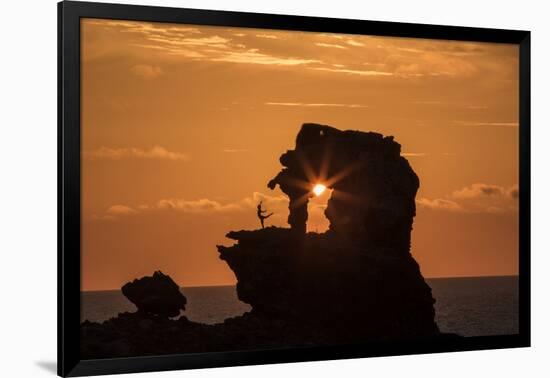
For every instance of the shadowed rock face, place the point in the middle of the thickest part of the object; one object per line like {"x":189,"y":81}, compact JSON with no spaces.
{"x":155,"y":295}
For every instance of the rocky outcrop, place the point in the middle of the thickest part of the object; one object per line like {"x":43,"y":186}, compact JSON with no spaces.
{"x":320,"y":282}
{"x":357,"y":282}
{"x":156,"y":295}
{"x":374,"y":188}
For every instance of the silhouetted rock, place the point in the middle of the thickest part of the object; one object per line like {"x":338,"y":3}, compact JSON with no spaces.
{"x":156,"y":295}
{"x":355,"y":283}
{"x":374,"y":187}
{"x":329,"y":289}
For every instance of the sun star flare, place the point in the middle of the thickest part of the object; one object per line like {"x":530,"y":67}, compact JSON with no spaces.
{"x":319,"y":189}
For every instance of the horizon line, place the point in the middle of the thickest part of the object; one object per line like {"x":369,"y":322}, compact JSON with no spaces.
{"x":426,"y":278}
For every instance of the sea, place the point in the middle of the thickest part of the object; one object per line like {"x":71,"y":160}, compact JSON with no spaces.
{"x":468,"y":306}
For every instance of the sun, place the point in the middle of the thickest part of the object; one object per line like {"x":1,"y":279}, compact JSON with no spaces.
{"x":319,"y":189}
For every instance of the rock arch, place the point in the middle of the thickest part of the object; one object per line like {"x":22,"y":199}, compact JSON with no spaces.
{"x":374,"y":188}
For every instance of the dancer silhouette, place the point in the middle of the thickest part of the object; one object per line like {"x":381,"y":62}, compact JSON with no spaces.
{"x":261,"y":215}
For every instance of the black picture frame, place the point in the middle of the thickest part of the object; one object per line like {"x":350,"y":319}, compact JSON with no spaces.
{"x":69,"y":179}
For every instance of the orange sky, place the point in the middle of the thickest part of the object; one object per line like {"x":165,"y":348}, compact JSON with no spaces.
{"x":183,"y":126}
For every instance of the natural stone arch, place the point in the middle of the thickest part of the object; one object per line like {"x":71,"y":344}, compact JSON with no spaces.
{"x":374,"y":188}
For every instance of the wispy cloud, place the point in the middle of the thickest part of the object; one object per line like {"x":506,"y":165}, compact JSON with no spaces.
{"x":414,"y":154}
{"x":120,"y":210}
{"x":234,"y":150}
{"x":352,"y":42}
{"x":155,"y":152}
{"x":277,"y":204}
{"x":389,"y":57}
{"x":174,"y":51}
{"x":315,"y":105}
{"x":267,"y":36}
{"x":213,"y":41}
{"x":354,"y":72}
{"x":197,"y":206}
{"x":449,"y":104}
{"x":143,"y":26}
{"x":191,"y":43}
{"x":254,"y":57}
{"x":331,"y":45}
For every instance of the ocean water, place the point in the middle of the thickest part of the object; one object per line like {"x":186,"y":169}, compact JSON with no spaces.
{"x":472,"y":306}
{"x":476,"y":306}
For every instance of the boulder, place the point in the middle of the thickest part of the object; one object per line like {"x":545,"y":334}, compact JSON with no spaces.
{"x":155,"y":295}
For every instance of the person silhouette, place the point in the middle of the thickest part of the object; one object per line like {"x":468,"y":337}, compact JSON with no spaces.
{"x":261,"y":215}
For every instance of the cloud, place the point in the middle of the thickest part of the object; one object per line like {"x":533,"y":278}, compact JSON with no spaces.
{"x":120,"y":210}
{"x":439,"y":204}
{"x":267,"y":36}
{"x":450,"y":104}
{"x":234,"y":150}
{"x":146,"y":71}
{"x":331,"y":45}
{"x":114,"y":212}
{"x":315,"y":105}
{"x":197,"y":206}
{"x":193,"y":44}
{"x":277,"y":204}
{"x":181,"y":52}
{"x":476,"y":198}
{"x":155,"y":152}
{"x":252,"y":56}
{"x":145,"y":27}
{"x":351,"y":42}
{"x":414,"y":154}
{"x":478,"y":190}
{"x":400,"y":58}
{"x":354,"y":72}
{"x":212,"y":41}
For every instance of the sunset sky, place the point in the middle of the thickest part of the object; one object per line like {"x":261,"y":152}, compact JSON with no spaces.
{"x":183,"y":126}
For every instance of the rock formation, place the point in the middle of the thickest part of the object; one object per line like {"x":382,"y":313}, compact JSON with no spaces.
{"x":355,"y":283}
{"x":374,"y":187}
{"x":358,"y":280}
{"x":155,"y":295}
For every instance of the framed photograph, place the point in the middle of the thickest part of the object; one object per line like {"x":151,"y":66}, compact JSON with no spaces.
{"x":239,"y":188}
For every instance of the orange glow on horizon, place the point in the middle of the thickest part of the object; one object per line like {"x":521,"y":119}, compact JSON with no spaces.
{"x":182,"y":126}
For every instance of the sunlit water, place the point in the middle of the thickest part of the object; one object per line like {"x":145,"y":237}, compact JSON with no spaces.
{"x":467,"y":306}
